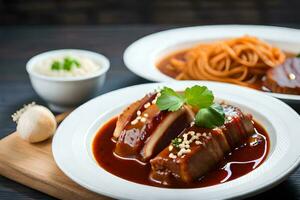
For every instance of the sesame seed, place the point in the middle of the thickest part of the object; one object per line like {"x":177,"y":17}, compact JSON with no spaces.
{"x":194,"y":137}
{"x":143,"y":119}
{"x":147,"y":105}
{"x":198,"y":142}
{"x":188,"y":142}
{"x":138,"y":113}
{"x":146,"y":115}
{"x":171,"y":155}
{"x":134,"y":122}
{"x":154,"y":100}
{"x":179,"y":154}
{"x":192,"y":132}
{"x":170,"y":148}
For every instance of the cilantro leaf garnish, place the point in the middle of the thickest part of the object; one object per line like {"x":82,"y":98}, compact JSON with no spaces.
{"x":199,"y":97}
{"x":210,"y":117}
{"x":196,"y":96}
{"x":170,"y":100}
{"x":298,"y":55}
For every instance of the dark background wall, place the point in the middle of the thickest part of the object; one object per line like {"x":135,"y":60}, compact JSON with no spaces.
{"x":82,"y":12}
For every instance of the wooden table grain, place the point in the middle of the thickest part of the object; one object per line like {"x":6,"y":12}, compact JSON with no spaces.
{"x":18,"y":44}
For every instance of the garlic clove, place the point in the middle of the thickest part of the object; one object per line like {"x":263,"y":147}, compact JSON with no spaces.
{"x":36,"y":123}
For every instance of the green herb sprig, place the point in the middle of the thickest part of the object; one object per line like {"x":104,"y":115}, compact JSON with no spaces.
{"x":176,"y":142}
{"x":209,"y":115}
{"x":66,"y":65}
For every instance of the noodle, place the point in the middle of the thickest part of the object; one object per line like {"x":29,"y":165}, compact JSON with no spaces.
{"x":240,"y":60}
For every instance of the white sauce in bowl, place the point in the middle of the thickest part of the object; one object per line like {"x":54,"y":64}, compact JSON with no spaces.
{"x":87,"y":66}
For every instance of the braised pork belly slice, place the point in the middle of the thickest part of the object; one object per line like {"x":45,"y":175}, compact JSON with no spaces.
{"x":131,"y":112}
{"x":143,"y":132}
{"x":238,"y":126}
{"x":197,"y":150}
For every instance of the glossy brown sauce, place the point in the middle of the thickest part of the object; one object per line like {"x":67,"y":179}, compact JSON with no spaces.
{"x":239,"y":162}
{"x":164,"y":66}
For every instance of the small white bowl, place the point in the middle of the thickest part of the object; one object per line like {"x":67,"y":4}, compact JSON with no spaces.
{"x":63,"y":93}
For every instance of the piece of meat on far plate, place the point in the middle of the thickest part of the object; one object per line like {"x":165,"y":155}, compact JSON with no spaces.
{"x":197,"y":150}
{"x":284,"y":78}
{"x":143,"y":130}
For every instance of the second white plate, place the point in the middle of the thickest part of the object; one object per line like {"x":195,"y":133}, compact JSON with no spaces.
{"x":141,"y":56}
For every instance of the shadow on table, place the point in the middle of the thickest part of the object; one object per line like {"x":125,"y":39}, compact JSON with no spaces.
{"x":285,"y":190}
{"x":12,"y":190}
{"x":295,"y":106}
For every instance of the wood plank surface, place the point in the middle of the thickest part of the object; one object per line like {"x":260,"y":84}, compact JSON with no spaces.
{"x":33,"y":165}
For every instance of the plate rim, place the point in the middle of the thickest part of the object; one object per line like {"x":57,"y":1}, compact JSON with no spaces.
{"x":58,"y":158}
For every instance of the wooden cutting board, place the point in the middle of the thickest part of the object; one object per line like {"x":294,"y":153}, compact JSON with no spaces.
{"x":33,"y":165}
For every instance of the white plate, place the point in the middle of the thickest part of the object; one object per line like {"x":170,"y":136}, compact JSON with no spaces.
{"x":72,"y":144}
{"x":141,"y":56}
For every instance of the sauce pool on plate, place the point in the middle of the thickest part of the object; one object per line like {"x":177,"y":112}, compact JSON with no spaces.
{"x":239,"y":162}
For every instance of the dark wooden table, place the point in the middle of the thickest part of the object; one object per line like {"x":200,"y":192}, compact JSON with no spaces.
{"x":18,"y":44}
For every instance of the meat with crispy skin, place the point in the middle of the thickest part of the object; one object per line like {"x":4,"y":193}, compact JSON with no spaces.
{"x":143,"y":130}
{"x":201,"y":149}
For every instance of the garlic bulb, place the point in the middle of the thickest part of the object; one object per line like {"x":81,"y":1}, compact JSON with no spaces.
{"x":35,"y":123}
